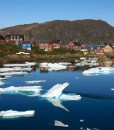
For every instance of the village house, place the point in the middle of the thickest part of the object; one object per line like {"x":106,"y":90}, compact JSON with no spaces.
{"x":14,"y":38}
{"x":70,"y":46}
{"x":50,"y":46}
{"x":45,"y":46}
{"x":108,"y":49}
{"x":56,"y":45}
{"x":26,"y":46}
{"x":75,"y":45}
{"x":100,"y":51}
{"x":103,"y":50}
{"x":2,"y":39}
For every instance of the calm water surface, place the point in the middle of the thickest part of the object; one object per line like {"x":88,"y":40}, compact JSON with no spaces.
{"x":96,"y":107}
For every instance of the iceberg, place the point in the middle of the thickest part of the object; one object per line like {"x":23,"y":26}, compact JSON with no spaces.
{"x":60,"y":124}
{"x":35,"y":81}
{"x":16,"y":114}
{"x":99,"y":70}
{"x":25,"y":90}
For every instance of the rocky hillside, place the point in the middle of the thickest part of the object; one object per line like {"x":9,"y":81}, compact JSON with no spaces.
{"x":89,"y":31}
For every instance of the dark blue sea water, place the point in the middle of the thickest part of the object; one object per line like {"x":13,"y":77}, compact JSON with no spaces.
{"x":96,"y":107}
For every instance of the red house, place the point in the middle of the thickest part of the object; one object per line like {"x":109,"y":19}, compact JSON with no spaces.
{"x":100,"y":51}
{"x":70,"y":45}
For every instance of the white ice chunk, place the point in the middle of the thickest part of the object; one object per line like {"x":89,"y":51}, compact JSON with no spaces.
{"x":72,"y":97}
{"x":56,"y":91}
{"x":14,"y":69}
{"x":64,"y":63}
{"x":81,"y":128}
{"x":16,"y":114}
{"x":53,"y":66}
{"x":26,"y":64}
{"x":99,"y":70}
{"x":13,"y":73}
{"x":56,"y":67}
{"x":60,"y":124}
{"x":81,"y":120}
{"x":55,"y":96}
{"x":35,"y":81}
{"x":112,"y":89}
{"x":1,"y":83}
{"x":25,"y":90}
{"x":2,"y":78}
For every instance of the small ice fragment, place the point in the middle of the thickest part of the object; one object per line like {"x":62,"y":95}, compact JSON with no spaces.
{"x":88,"y":129}
{"x":77,"y":78}
{"x":60,"y":124}
{"x":81,"y":128}
{"x":35,"y":81}
{"x":1,"y":83}
{"x":81,"y":120}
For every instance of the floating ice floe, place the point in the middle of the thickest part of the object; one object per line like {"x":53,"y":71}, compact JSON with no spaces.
{"x":1,"y":83}
{"x":35,"y":81}
{"x":64,"y":63}
{"x":55,"y":95}
{"x":16,"y":114}
{"x":53,"y":66}
{"x":60,"y":124}
{"x":99,"y":70}
{"x":26,"y":64}
{"x":56,"y":91}
{"x":2,"y":78}
{"x":112,"y":89}
{"x":25,"y":90}
{"x":14,"y":69}
{"x":12,"y":73}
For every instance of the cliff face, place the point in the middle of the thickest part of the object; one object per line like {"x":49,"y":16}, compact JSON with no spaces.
{"x":90,"y":31}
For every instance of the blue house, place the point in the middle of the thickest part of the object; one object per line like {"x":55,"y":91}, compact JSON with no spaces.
{"x":26,"y":46}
